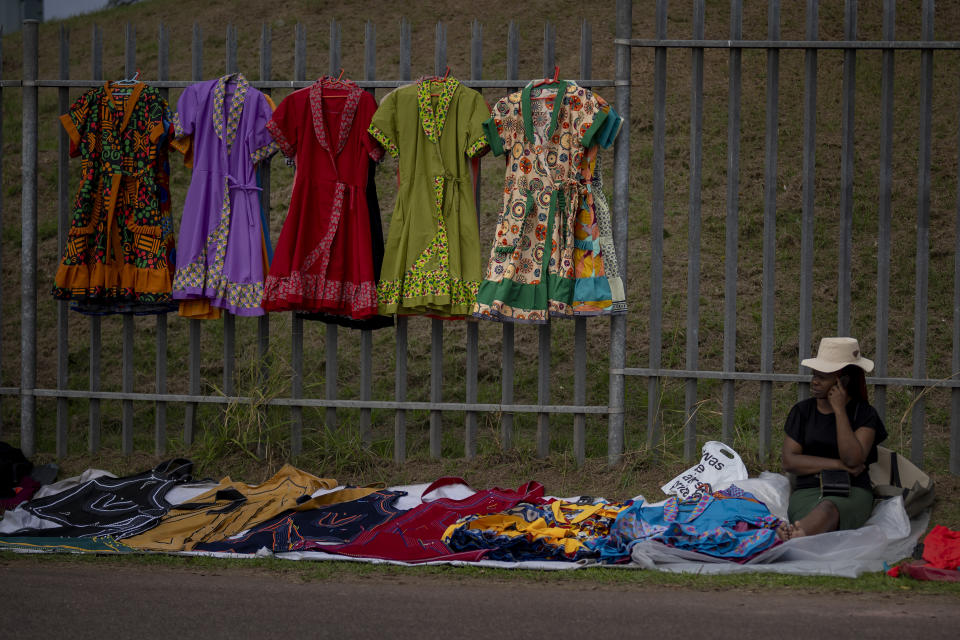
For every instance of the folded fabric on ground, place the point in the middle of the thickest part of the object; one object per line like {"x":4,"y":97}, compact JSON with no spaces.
{"x":559,"y":530}
{"x":415,"y":535}
{"x":228,"y":509}
{"x":311,"y":526}
{"x":117,"y":507}
{"x":730,"y":523}
{"x":97,"y":545}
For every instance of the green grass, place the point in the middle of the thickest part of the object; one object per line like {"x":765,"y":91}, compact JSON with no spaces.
{"x":615,"y":578}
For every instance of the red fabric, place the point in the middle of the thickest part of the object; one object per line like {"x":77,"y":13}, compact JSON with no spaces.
{"x":324,"y":258}
{"x":941,"y":548}
{"x":28,"y":487}
{"x":415,"y":536}
{"x":919,"y":570}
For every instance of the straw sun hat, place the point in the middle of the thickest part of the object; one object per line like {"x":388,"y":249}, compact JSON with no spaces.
{"x":836,"y":353}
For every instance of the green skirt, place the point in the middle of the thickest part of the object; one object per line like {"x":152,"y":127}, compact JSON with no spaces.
{"x":854,"y":509}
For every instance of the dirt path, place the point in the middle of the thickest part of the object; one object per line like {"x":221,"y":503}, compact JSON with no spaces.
{"x":85,"y":601}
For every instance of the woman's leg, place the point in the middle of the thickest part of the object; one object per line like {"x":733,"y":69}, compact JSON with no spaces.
{"x":822,"y":518}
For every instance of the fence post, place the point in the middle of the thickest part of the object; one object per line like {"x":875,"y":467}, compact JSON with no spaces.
{"x":507,"y":348}
{"x":190,"y":411}
{"x":621,"y":215}
{"x":769,"y":230}
{"x":473,"y":329}
{"x":580,"y":323}
{"x":656,"y":226}
{"x":400,"y":377}
{"x":331,"y":367}
{"x":918,"y":412}
{"x":28,"y":242}
{"x":366,"y":335}
{"x":93,"y":442}
{"x":1,"y":219}
{"x":693,"y":232}
{"x":735,"y":84}
{"x":809,"y":194}
{"x":63,"y":225}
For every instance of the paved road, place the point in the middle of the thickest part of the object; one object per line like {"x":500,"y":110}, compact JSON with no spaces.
{"x":87,"y":601}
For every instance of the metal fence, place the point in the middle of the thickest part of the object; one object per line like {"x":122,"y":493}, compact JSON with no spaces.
{"x":624,"y":84}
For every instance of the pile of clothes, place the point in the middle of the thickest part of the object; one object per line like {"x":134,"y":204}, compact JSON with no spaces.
{"x":717,"y":520}
{"x":163,"y":510}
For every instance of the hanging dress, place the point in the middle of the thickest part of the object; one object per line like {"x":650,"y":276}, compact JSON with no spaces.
{"x":530,"y":274}
{"x":598,"y":285}
{"x":431,"y":263}
{"x":119,"y":249}
{"x":323,"y":261}
{"x":220,"y":249}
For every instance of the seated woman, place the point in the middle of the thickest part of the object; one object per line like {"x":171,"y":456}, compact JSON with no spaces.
{"x":835,"y":429}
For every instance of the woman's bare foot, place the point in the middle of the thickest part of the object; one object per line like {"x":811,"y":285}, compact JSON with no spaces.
{"x":787,"y":531}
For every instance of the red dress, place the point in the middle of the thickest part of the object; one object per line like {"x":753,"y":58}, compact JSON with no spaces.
{"x":323,"y":261}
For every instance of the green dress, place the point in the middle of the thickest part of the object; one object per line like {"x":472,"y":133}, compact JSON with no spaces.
{"x":432,"y":257}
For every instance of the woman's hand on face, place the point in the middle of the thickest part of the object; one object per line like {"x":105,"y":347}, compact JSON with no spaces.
{"x":837,"y":396}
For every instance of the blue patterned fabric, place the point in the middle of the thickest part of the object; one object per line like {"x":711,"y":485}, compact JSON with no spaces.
{"x":730,"y":524}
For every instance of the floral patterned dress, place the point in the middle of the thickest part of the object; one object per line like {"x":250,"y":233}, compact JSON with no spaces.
{"x":530,"y":274}
{"x":118,"y":254}
{"x":431,"y":264}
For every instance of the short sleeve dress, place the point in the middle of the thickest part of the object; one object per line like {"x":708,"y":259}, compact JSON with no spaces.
{"x":431,"y":264}
{"x":119,"y":247}
{"x":220,"y":248}
{"x":323,"y":261}
{"x":544,"y":133}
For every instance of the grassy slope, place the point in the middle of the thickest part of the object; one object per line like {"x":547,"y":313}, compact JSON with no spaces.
{"x":225,"y":445}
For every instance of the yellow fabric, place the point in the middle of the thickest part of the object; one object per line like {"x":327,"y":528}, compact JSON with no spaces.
{"x":199,"y":309}
{"x":565,"y":534}
{"x":183,"y":529}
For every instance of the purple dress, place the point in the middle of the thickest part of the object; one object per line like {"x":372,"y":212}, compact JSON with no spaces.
{"x":220,"y":249}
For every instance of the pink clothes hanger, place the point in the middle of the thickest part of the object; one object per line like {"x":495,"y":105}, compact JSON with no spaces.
{"x":545,"y":81}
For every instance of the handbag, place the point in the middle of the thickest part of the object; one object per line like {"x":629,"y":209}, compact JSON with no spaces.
{"x":834,"y":483}
{"x":894,"y":475}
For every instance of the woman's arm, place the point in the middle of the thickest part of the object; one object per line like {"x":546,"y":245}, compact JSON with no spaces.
{"x":853,"y":446}
{"x":794,"y":460}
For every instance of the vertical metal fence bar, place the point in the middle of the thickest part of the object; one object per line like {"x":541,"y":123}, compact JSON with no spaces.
{"x":128,"y":327}
{"x":296,"y":322}
{"x":656,"y":225}
{"x":507,"y":348}
{"x":335,"y":63}
{"x":436,"y":326}
{"x":263,"y":322}
{"x":693,"y":231}
{"x":543,"y":331}
{"x":808,"y":206}
{"x":231,"y":61}
{"x":332,"y":367}
{"x":769,"y":229}
{"x":885,"y":207}
{"x":620,"y":214}
{"x":191,"y":408}
{"x":847,"y":149}
{"x":93,"y":440}
{"x":1,"y":222}
{"x":473,"y":329}
{"x":405,"y":39}
{"x":580,"y":324}
{"x":229,"y":319}
{"x":735,"y":84}
{"x":366,"y":335}
{"x":366,"y":384}
{"x":300,"y":52}
{"x":955,"y":360}
{"x":126,"y":406}
{"x":28,"y":242}
{"x":918,"y":411}
{"x":160,"y":408}
{"x":331,"y":373}
{"x":400,"y":381}
{"x":63,"y":225}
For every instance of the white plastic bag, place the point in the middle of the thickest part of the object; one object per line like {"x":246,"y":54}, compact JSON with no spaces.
{"x":719,"y":465}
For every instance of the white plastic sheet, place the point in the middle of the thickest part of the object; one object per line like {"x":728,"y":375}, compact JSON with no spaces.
{"x":888,"y":536}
